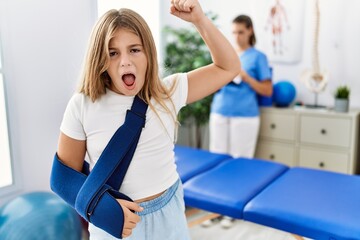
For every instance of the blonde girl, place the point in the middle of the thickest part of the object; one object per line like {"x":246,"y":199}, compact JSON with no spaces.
{"x":121,"y":63}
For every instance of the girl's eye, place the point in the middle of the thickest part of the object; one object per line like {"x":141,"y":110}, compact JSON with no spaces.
{"x":112,"y":54}
{"x":135,"y":50}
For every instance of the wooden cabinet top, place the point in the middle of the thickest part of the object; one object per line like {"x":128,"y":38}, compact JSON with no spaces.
{"x":311,"y":111}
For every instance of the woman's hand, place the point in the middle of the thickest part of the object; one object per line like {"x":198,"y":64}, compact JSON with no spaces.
{"x":244,"y":76}
{"x":188,"y":10}
{"x":130,"y":218}
{"x":263,"y":87}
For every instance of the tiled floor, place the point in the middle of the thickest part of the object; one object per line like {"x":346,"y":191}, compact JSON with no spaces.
{"x":241,"y":230}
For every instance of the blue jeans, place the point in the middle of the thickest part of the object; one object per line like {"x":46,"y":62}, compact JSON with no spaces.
{"x":163,"y":218}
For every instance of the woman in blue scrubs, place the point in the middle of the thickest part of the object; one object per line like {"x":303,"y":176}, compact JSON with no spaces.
{"x":234,"y":119}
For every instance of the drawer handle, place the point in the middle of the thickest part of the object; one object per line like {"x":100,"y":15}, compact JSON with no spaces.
{"x":272,"y":126}
{"x":323,"y":131}
{"x":272,"y":156}
{"x":321,"y":164}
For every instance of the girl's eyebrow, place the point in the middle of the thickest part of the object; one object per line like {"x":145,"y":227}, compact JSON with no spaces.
{"x":130,"y":46}
{"x":135,"y":45}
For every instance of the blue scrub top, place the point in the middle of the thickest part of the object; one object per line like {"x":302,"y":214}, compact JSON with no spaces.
{"x":240,"y":100}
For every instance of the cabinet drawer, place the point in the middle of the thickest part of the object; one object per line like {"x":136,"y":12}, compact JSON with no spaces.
{"x":278,"y":126}
{"x":327,"y":131}
{"x":332,"y":161}
{"x":278,"y":152}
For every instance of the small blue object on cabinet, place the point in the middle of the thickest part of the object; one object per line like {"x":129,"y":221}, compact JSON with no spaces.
{"x":284,"y":93}
{"x":39,"y":215}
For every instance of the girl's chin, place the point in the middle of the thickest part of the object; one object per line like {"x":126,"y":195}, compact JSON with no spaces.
{"x":124,"y":89}
{"x":130,"y":90}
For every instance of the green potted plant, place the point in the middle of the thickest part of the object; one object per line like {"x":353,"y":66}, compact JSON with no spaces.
{"x":342,"y":94}
{"x":184,"y":51}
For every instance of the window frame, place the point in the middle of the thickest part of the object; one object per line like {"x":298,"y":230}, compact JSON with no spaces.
{"x":15,"y":187}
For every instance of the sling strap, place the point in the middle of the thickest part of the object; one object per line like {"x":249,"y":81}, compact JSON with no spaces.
{"x":94,"y":194}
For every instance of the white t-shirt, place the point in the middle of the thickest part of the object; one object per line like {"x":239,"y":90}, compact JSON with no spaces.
{"x":152,"y":169}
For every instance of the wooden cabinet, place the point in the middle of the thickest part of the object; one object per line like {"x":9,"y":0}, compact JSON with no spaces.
{"x":278,"y":126}
{"x":325,"y":131}
{"x":313,"y":138}
{"x":279,"y":152}
{"x":324,"y":159}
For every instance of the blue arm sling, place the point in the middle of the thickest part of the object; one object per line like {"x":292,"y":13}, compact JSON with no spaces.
{"x":93,"y":194}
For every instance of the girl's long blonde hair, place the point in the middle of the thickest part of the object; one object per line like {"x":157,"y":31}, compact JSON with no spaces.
{"x":95,"y":79}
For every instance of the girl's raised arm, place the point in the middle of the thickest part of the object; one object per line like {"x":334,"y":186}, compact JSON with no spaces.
{"x":226,"y":64}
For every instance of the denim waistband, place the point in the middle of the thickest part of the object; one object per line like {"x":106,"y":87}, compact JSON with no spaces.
{"x":159,"y":202}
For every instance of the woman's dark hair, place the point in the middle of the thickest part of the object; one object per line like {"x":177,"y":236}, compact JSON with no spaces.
{"x":244,"y":19}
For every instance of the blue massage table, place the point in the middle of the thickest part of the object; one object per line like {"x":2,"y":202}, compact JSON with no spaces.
{"x":190,"y":161}
{"x":311,"y":203}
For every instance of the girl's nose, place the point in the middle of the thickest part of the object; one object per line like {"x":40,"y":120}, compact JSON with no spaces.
{"x":125,"y":61}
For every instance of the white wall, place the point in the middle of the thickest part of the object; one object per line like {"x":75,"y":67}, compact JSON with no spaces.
{"x":339,"y":42}
{"x":43,"y":46}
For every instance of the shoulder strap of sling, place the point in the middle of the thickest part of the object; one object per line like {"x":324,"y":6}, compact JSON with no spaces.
{"x":101,"y":208}
{"x":115,"y":158}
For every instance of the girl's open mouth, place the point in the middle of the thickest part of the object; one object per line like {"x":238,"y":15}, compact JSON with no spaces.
{"x":128,"y":79}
